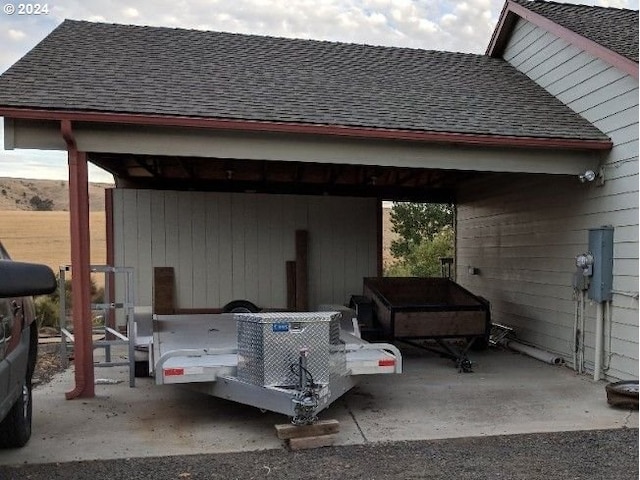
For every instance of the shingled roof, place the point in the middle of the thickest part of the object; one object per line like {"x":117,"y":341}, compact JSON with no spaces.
{"x":95,"y":67}
{"x":613,"y":28}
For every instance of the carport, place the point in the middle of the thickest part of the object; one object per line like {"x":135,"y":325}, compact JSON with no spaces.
{"x":287,"y":118}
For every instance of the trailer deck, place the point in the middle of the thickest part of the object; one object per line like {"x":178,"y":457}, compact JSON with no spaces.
{"x":201,"y":351}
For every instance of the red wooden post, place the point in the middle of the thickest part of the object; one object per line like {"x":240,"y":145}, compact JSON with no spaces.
{"x":80,"y":265}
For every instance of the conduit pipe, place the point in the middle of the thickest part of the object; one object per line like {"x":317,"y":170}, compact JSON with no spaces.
{"x":575,"y":334}
{"x":581,"y":333}
{"x":534,"y":352}
{"x":599,"y":343}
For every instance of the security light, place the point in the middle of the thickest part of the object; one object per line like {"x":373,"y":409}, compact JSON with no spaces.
{"x":587,"y":176}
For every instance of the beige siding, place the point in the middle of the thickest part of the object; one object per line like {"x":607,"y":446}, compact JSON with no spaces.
{"x":227,"y":246}
{"x":524,"y":231}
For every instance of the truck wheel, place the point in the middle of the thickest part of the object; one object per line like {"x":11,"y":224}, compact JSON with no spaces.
{"x":15,"y":429}
{"x":240,"y":306}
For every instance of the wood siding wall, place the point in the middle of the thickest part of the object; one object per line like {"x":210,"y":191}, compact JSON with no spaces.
{"x":524,"y":231}
{"x":229,"y":246}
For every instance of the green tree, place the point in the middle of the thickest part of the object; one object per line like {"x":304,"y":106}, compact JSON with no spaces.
{"x":41,"y":204}
{"x":415,"y":222}
{"x":48,"y":306}
{"x":424,"y":259}
{"x":425,"y":234}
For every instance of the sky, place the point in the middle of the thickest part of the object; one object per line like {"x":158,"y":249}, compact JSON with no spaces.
{"x":452,"y":25}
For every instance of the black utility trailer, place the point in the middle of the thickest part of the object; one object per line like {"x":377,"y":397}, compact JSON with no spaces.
{"x":412,"y":309}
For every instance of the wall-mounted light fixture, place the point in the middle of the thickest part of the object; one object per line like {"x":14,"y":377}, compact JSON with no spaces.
{"x":587,"y":176}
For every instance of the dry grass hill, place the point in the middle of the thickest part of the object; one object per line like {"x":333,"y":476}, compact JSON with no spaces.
{"x":34,"y":221}
{"x":44,"y":195}
{"x":38,"y":230}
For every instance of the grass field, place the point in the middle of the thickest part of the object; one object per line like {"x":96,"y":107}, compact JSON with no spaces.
{"x":43,"y":237}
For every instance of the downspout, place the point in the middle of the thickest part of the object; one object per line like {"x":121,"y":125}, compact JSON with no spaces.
{"x":80,"y":264}
{"x":110,"y":286}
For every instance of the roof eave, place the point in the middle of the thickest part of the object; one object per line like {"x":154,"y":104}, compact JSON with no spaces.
{"x":344,"y":131}
{"x":511,"y":11}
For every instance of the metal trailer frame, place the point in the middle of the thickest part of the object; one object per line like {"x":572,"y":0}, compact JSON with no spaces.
{"x":423,"y":314}
{"x":200,"y":351}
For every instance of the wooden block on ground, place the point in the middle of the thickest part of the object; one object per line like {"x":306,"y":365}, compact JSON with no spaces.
{"x":311,"y":442}
{"x":323,"y":427}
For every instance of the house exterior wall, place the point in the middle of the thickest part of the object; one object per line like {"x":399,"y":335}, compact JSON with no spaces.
{"x":523,"y":232}
{"x":230,"y":246}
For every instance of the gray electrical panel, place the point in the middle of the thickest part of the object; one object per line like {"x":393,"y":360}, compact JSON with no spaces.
{"x":601,"y":247}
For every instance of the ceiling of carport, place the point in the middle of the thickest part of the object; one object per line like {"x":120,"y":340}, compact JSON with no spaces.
{"x":267,"y":176}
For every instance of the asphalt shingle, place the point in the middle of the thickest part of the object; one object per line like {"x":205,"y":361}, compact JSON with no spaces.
{"x":153,"y":70}
{"x":613,"y":28}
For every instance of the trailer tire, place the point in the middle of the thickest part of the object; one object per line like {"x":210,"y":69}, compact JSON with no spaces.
{"x":240,"y":306}
{"x":141,"y":369}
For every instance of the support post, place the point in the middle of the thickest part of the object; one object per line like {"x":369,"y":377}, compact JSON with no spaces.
{"x":291,"y":286}
{"x":302,"y":270}
{"x":80,"y":265}
{"x":379,"y":239}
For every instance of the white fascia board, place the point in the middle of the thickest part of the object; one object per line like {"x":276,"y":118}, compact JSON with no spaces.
{"x":133,"y":139}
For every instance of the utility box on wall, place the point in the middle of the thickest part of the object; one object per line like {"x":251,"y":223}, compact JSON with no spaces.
{"x":601,"y":247}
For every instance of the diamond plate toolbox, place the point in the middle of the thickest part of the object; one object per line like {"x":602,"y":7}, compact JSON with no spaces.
{"x":269,"y":346}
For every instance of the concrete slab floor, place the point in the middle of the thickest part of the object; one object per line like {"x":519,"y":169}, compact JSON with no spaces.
{"x":507,"y":393}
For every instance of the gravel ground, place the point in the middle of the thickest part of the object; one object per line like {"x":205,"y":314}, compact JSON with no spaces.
{"x":600,"y":454}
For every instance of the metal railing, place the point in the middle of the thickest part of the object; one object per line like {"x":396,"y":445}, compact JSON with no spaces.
{"x":104,"y":335}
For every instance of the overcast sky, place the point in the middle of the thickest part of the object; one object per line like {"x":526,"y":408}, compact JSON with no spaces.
{"x":453,"y":25}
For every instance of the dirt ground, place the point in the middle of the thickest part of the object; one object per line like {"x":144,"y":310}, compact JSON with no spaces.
{"x":47,"y":366}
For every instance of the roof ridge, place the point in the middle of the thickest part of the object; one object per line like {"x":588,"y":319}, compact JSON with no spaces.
{"x":271,"y":37}
{"x":552,"y":2}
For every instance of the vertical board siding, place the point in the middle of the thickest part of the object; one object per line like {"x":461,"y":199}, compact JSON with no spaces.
{"x":523,"y":232}
{"x":230,"y":246}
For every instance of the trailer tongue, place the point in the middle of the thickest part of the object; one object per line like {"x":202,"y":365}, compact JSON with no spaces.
{"x":296,"y":364}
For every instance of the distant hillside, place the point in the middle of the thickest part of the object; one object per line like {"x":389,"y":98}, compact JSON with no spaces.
{"x":41,"y":195}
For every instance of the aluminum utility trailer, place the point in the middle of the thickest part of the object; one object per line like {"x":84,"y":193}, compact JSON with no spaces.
{"x":296,"y":364}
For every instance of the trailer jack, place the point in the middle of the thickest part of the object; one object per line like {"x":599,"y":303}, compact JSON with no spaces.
{"x":304,"y":406}
{"x":306,"y":401}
